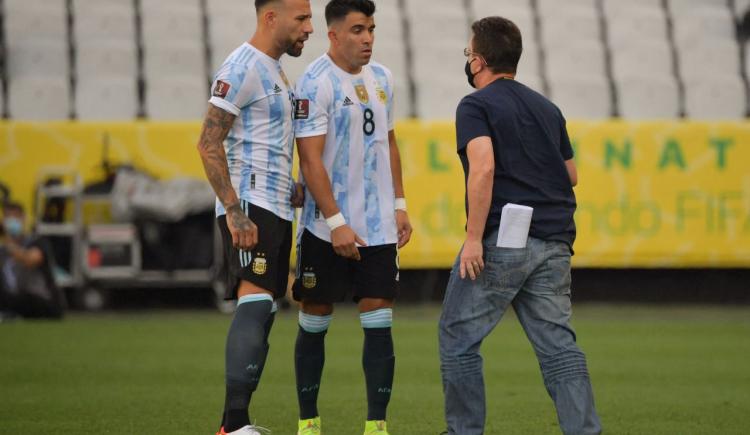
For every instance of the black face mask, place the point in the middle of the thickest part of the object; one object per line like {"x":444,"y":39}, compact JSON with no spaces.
{"x":469,"y":75}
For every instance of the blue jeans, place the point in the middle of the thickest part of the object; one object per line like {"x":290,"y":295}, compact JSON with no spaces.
{"x":536,"y":281}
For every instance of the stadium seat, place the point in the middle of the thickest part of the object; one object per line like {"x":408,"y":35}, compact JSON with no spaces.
{"x":655,"y":56}
{"x":646,"y":96}
{"x":707,"y":57}
{"x":636,"y":25}
{"x":680,"y":7}
{"x":23,"y":25}
{"x":528,"y":65}
{"x":38,"y":58}
{"x":226,"y":31}
{"x":615,"y":8}
{"x":575,"y":57}
{"x":713,"y":24}
{"x":562,"y":28}
{"x":2,"y":101}
{"x":531,"y":81}
{"x":106,"y":98}
{"x":552,"y":8}
{"x":484,"y":8}
{"x":168,"y":58}
{"x":106,"y":59}
{"x":177,"y":97}
{"x":163,"y":8}
{"x":103,"y":20}
{"x":740,"y":8}
{"x":720,"y":97}
{"x":440,"y":80}
{"x":39,"y":98}
{"x":449,"y":16}
{"x":581,"y":96}
{"x":162,"y":23}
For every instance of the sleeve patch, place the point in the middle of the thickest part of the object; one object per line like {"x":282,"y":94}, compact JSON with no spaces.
{"x":301,"y":108}
{"x":221,"y":89}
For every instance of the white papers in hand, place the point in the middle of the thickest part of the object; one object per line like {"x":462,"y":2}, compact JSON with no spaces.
{"x":515,"y":221}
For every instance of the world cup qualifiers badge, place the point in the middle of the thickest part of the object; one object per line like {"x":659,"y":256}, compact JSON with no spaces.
{"x":260,"y":266}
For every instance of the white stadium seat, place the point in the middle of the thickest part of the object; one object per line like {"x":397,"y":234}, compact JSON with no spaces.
{"x":647,"y":96}
{"x":528,"y":65}
{"x":177,"y":97}
{"x":719,"y":97}
{"x":171,"y":24}
{"x":549,"y":8}
{"x":106,"y":98}
{"x":699,"y":24}
{"x":740,"y":8}
{"x":440,"y":80}
{"x":484,"y":8}
{"x":105,"y":20}
{"x":561,"y":29}
{"x":106,"y":59}
{"x":615,"y":8}
{"x":39,"y":98}
{"x":28,"y":25}
{"x":680,"y":7}
{"x":38,"y":58}
{"x":639,"y":55}
{"x":579,"y":57}
{"x":230,"y":23}
{"x":581,"y":96}
{"x":173,"y":58}
{"x":638,"y":25}
{"x":706,"y":58}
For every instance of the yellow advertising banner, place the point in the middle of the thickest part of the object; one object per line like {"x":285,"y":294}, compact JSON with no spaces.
{"x":650,"y":194}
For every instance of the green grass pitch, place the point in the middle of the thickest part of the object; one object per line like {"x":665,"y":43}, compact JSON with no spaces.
{"x":655,"y":370}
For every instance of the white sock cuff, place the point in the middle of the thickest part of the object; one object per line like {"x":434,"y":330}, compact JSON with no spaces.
{"x":382,"y":318}
{"x":255,"y":298}
{"x":314,"y":324}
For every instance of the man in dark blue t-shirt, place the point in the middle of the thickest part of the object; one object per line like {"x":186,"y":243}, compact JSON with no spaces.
{"x":515,"y":149}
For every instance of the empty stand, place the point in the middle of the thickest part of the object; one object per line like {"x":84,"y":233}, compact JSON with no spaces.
{"x":39,"y":98}
{"x":176,"y":98}
{"x":645,"y":96}
{"x":107,"y":98}
{"x":581,"y":96}
{"x":720,"y":97}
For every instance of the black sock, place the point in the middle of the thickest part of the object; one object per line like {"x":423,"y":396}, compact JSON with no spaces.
{"x":378,"y":362}
{"x":309,"y":357}
{"x":245,"y":356}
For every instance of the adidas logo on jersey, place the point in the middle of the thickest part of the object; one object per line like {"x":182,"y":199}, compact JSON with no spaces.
{"x":348,"y":102}
{"x":277,"y":88}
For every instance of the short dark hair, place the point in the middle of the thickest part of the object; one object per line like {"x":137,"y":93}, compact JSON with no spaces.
{"x":260,"y":3}
{"x":339,"y":9}
{"x":498,"y":41}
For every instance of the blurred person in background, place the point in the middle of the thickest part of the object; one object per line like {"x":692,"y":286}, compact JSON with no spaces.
{"x":27,"y":288}
{"x":354,"y":218}
{"x":514,"y":148}
{"x":246,"y":145}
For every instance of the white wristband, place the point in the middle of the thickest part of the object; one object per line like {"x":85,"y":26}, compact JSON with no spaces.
{"x":336,"y":221}
{"x":400,"y":204}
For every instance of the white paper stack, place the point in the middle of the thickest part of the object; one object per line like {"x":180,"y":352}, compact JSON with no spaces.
{"x":515,"y":221}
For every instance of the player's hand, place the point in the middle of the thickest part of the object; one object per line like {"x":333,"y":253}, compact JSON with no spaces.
{"x":471,"y":259}
{"x":244,"y":231}
{"x":404,"y":227}
{"x":345,"y":241}
{"x":298,"y":195}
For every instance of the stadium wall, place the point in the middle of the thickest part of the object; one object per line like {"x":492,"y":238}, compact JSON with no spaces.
{"x":671,"y":194}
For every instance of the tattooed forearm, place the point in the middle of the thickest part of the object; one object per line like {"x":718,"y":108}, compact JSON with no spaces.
{"x":239,"y":219}
{"x":216,"y":126}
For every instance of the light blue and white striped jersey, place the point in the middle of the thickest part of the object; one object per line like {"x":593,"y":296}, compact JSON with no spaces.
{"x":355,"y":112}
{"x":252,"y":86}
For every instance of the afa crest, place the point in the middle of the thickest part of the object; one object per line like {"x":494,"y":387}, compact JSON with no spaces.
{"x":362,"y":93}
{"x":260,"y":266}
{"x":309,"y":280}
